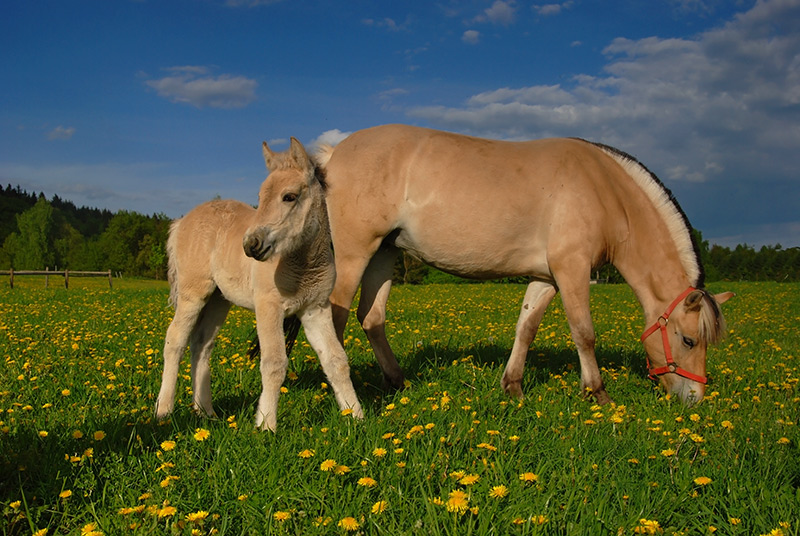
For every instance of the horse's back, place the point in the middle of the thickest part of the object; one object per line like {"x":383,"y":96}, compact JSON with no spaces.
{"x":472,"y":206}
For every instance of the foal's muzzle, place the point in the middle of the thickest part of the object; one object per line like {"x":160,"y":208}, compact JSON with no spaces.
{"x":256,"y":246}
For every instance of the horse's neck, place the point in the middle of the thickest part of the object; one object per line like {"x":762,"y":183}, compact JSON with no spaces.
{"x":651,"y":265}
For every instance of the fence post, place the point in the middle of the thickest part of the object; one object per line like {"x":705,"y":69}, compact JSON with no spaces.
{"x":11,"y":271}
{"x":46,"y":277}
{"x":109,"y":279}
{"x":66,"y":278}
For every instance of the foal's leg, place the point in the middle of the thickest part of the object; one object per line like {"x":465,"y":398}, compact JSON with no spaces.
{"x":186,"y":312}
{"x":269,"y":323}
{"x":537,"y":297}
{"x":375,"y":287}
{"x":318,"y":325}
{"x":201,"y":344}
{"x":574,"y":287}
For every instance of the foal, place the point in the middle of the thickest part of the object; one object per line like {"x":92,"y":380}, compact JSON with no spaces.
{"x":275,"y":260}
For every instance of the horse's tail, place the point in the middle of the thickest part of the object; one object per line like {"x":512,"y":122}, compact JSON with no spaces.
{"x":291,"y":328}
{"x":172,"y":268}
{"x":323,"y":155}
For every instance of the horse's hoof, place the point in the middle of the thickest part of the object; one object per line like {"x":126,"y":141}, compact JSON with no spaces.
{"x":512,"y":388}
{"x":397,"y":383}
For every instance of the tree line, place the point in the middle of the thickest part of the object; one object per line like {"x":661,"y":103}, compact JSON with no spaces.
{"x":37,"y":233}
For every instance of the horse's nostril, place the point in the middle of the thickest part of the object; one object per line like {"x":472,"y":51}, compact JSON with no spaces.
{"x":251,"y":245}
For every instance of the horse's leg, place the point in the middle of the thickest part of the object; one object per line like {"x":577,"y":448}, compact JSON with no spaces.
{"x":537,"y":297}
{"x":573,"y":284}
{"x":349,"y":270}
{"x":375,"y":287}
{"x":178,"y":332}
{"x":201,"y":344}
{"x":318,"y":324}
{"x":269,"y":323}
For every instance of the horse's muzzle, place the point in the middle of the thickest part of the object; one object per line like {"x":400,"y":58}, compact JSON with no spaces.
{"x":256,"y":247}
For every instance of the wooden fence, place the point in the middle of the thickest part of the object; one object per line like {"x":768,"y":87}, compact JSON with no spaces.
{"x":47,"y":273}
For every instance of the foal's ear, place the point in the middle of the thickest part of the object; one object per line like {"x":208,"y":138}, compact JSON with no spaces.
{"x":300,"y":156}
{"x":269,"y":156}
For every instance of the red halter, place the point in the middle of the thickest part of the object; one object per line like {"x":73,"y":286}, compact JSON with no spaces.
{"x":661,"y":324}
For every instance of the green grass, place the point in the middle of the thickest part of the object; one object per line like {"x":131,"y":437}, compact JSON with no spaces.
{"x":446,"y":456}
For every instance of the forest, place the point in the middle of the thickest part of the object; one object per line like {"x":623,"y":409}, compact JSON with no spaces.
{"x":37,"y":233}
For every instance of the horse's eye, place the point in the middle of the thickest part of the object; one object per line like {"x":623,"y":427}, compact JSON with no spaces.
{"x":289,"y":198}
{"x":688,"y":342}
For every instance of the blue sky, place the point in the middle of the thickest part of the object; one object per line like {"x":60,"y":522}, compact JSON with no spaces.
{"x":159,"y":105}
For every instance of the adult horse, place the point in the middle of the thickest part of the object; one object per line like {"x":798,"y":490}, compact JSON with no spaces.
{"x":276,"y":260}
{"x":551,"y":210}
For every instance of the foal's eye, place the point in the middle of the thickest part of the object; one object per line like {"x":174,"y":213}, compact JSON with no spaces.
{"x":688,"y":342}
{"x":289,"y":198}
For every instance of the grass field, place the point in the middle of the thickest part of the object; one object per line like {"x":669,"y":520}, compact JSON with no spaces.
{"x":80,"y":453}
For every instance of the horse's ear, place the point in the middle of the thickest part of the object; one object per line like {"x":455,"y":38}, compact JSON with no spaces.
{"x":269,"y":156}
{"x":299,"y":155}
{"x":723,"y":297}
{"x":694,"y":300}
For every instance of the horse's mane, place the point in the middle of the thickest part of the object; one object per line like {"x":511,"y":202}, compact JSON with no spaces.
{"x":285,"y":161}
{"x":667,"y":207}
{"x":712,"y":327}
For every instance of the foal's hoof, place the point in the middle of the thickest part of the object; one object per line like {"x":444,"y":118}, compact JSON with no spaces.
{"x":600,"y":396}
{"x":512,"y":387}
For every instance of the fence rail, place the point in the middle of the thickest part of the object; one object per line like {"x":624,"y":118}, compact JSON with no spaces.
{"x":47,"y":273}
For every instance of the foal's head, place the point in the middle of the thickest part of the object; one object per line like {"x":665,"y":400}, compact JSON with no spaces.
{"x":289,"y":200}
{"x":694,"y":323}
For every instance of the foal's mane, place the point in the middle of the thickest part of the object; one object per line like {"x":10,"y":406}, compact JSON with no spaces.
{"x":285,"y":161}
{"x":665,"y":204}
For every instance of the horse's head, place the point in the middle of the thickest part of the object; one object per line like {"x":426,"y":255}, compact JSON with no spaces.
{"x":677,"y":342}
{"x":287,"y":215}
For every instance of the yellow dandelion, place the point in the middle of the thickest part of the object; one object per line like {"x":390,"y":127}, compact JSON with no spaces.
{"x":388,"y":435}
{"x":349,"y":524}
{"x":346,"y":412}
{"x":498,"y":492}
{"x":77,"y":434}
{"x":468,"y":480}
{"x":99,"y":435}
{"x":734,"y":520}
{"x":668,"y":452}
{"x":307,"y":453}
{"x":40,"y":532}
{"x":15,"y":505}
{"x":702,"y":481}
{"x":379,"y":452}
{"x":784,"y":441}
{"x":90,"y":529}
{"x":341,"y":469}
{"x":647,"y":526}
{"x":201,"y":434}
{"x":167,"y":445}
{"x":697,"y":438}
{"x":487,"y":446}
{"x":281,"y":516}
{"x":539,"y":520}
{"x":367,"y":482}
{"x":167,"y":511}
{"x":43,"y":433}
{"x":379,"y":507}
{"x":328,"y":465}
{"x":197,"y":516}
{"x":728,"y":425}
{"x":458,"y":502}
{"x":66,"y":494}
{"x":65,"y":392}
{"x":242,"y":497}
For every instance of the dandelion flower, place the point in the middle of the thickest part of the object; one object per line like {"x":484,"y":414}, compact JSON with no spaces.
{"x":65,"y":392}
{"x":458,"y":502}
{"x":77,"y":434}
{"x":242,"y":497}
{"x":498,"y":492}
{"x":528,"y":478}
{"x":784,"y":441}
{"x":539,"y":520}
{"x":197,"y":516}
{"x":328,"y":465}
{"x":702,"y":481}
{"x":167,"y":511}
{"x":468,"y":480}
{"x":367,"y":482}
{"x":66,"y":494}
{"x":281,"y":516}
{"x":349,"y":524}
{"x":167,"y":445}
{"x":43,"y":433}
{"x":379,"y":452}
{"x":379,"y":507}
{"x":728,"y":425}
{"x":341,"y":469}
{"x":307,"y":453}
{"x":40,"y":532}
{"x":201,"y":434}
{"x":667,"y":452}
{"x":15,"y":505}
{"x":90,"y":529}
{"x":647,"y":526}
{"x":99,"y":435}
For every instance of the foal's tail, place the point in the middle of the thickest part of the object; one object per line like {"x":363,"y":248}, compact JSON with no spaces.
{"x":172,"y":268}
{"x":291,"y":328}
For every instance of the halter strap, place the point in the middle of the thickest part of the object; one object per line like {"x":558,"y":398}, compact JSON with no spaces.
{"x":661,"y":324}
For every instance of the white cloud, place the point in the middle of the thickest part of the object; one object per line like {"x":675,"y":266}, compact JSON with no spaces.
{"x":471,"y":37}
{"x":329,"y":137}
{"x":194,"y":85}
{"x":726,"y":101}
{"x":547,"y":10}
{"x":501,"y":12}
{"x":61,"y":133}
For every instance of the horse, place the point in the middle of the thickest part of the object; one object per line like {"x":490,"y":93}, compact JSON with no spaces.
{"x":275,"y":260}
{"x":551,"y":210}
